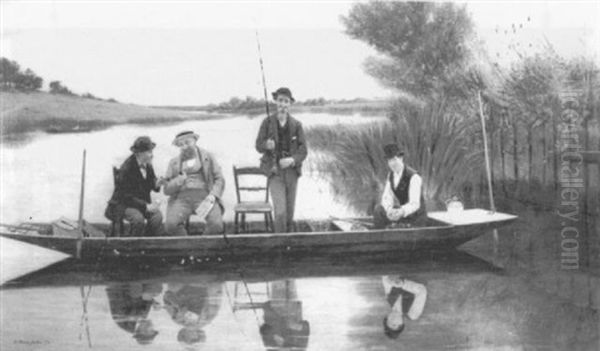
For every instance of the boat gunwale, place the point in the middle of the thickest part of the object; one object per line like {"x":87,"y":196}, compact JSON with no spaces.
{"x":210,"y":237}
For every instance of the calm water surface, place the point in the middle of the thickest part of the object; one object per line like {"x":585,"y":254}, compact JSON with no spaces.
{"x":299,"y":304}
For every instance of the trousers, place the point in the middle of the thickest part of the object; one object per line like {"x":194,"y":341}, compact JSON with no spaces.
{"x":181,"y":207}
{"x":282,"y":187}
{"x":139,"y":227}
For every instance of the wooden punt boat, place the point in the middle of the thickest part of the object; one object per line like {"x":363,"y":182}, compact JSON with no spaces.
{"x":445,"y":231}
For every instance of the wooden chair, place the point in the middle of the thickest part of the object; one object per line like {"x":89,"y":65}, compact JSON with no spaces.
{"x":244,"y":207}
{"x":119,"y":222}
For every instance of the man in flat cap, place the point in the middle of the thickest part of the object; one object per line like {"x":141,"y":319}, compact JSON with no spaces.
{"x":282,"y":144}
{"x":131,"y":198}
{"x":402,"y":202}
{"x":194,"y":180}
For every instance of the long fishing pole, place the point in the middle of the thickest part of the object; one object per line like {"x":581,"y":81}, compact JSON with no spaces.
{"x":227,"y":242}
{"x":80,"y":219}
{"x":262,"y":71}
{"x":487,"y":166}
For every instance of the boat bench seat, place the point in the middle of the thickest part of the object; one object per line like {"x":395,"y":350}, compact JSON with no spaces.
{"x":258,"y":207}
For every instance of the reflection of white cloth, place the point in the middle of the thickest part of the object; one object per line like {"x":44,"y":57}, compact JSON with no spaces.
{"x":419,"y":290}
{"x":388,"y":199}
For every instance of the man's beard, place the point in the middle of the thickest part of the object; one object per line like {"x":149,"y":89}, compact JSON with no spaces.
{"x":188,"y":153}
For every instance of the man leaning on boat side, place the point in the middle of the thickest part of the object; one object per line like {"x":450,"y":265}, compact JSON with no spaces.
{"x":194,"y":180}
{"x":402,"y":203}
{"x":131,"y":199}
{"x":282,"y":144}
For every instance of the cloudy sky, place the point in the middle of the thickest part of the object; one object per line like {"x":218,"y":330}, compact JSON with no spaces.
{"x":197,"y":52}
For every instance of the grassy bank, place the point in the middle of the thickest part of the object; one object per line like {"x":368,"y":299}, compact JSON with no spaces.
{"x":26,"y":112}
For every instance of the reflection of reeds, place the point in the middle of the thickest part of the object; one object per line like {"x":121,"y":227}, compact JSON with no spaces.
{"x":437,"y":142}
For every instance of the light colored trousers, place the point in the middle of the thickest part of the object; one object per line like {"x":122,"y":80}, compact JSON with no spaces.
{"x":180,"y":208}
{"x":283,"y":194}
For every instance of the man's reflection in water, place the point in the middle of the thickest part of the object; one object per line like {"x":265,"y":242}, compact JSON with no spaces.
{"x":406,"y":298}
{"x":193,"y":306}
{"x":283,"y":326}
{"x":129,"y":307}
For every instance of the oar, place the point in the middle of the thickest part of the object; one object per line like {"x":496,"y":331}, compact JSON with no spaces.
{"x":81,"y":196}
{"x":487,"y":167}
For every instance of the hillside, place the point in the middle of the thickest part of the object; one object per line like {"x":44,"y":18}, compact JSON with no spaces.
{"x":24,"y":112}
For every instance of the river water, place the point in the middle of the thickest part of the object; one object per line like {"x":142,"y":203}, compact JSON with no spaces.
{"x":293,"y":304}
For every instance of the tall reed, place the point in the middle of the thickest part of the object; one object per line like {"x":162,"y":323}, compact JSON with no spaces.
{"x":439,"y":143}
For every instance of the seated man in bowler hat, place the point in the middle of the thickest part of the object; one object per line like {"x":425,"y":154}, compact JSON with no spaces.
{"x":131,"y":198}
{"x":194,"y":178}
{"x":282,"y":144}
{"x":402,"y":202}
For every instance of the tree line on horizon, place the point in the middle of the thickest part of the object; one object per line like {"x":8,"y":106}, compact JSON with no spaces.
{"x":250,"y":103}
{"x":13,"y":78}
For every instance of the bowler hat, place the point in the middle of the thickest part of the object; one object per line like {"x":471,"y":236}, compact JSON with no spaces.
{"x":283,"y":91}
{"x":142,"y":144}
{"x":392,"y":150}
{"x":185,"y":134}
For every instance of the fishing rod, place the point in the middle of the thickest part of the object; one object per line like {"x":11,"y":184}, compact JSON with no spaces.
{"x":262,"y":71}
{"x":229,"y":245}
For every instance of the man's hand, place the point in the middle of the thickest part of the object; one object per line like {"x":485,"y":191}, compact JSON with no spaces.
{"x":180,"y":179}
{"x":270,"y":144}
{"x":286,"y":162}
{"x":395,"y":214}
{"x":160,"y":182}
{"x":153,"y":207}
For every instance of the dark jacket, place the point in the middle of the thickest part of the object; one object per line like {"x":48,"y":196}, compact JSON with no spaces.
{"x":297,"y":148}
{"x":131,"y":189}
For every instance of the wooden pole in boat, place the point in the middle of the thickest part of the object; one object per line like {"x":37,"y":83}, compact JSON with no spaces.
{"x":487,"y":165}
{"x":81,"y":196}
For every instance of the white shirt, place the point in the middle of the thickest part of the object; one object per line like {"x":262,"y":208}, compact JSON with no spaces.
{"x":388,"y":199}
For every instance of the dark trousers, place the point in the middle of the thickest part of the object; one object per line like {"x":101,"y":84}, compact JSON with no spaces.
{"x":381,"y":220}
{"x":283,"y":187}
{"x":139,"y":227}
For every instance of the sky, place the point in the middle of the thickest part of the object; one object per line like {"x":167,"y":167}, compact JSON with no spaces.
{"x":199,"y":52}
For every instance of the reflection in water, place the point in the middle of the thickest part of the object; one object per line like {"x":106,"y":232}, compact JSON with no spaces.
{"x":440,"y":302}
{"x":283,"y":323}
{"x":193,"y":306}
{"x":406,"y":298}
{"x":129,"y":308}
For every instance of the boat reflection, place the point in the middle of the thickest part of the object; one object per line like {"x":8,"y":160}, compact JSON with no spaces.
{"x":284,"y":305}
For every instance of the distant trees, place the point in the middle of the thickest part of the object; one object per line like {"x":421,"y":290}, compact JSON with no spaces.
{"x":56,"y":87}
{"x":12,"y":78}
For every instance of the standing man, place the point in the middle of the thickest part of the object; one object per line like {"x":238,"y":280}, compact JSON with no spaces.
{"x":131,"y":198}
{"x":194,"y":179}
{"x":402,"y":202}
{"x":281,"y":141}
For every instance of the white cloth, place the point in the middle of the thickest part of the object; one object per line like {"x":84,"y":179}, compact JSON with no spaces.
{"x":388,"y":199}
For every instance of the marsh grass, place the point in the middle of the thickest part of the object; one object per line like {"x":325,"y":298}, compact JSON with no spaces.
{"x":438,"y":143}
